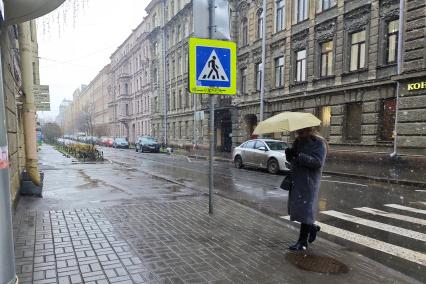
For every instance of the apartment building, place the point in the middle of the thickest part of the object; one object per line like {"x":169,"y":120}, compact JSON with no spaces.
{"x":338,"y":60}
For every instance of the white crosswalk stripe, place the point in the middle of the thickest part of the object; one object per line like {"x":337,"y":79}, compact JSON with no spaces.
{"x":406,"y":208}
{"x":407,"y":254}
{"x":377,"y":225}
{"x":392,"y":215}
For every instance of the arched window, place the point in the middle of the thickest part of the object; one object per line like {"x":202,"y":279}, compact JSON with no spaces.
{"x":259,"y":28}
{"x":244,"y":32}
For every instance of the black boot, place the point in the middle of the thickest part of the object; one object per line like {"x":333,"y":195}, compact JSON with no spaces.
{"x":313,"y":233}
{"x":302,"y":243}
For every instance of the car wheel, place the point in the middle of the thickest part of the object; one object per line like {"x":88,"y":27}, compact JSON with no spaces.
{"x":273,"y":166}
{"x":238,"y":162}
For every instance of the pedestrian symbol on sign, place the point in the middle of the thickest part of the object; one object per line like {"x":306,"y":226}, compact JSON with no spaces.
{"x":213,"y":69}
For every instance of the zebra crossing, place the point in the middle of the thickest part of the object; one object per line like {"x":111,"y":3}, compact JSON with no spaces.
{"x":394,"y":230}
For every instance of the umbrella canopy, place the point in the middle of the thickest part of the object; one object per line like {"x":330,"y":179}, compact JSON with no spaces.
{"x":287,"y":121}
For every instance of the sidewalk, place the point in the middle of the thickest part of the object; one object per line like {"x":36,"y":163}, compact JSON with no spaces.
{"x":166,"y":239}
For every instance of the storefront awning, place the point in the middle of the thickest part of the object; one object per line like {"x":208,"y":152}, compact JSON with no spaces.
{"x":18,"y":11}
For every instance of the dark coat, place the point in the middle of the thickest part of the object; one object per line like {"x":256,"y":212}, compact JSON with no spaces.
{"x":306,"y":171}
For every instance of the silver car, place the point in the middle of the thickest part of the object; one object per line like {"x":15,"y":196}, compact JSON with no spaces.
{"x":262,"y":153}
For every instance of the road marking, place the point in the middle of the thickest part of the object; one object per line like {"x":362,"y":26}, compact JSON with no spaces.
{"x":377,"y":225}
{"x":420,"y":190}
{"x":407,"y":254}
{"x":345,"y":182}
{"x":392,"y":215}
{"x":406,"y":208}
{"x":189,"y":160}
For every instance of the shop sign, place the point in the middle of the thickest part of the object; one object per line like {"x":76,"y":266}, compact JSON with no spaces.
{"x":416,"y":86}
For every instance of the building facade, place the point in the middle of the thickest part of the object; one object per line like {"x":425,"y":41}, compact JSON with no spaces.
{"x":338,"y":60}
{"x":14,"y":98}
{"x":334,"y":58}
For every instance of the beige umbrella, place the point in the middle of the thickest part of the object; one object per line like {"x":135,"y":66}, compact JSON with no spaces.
{"x":287,"y":121}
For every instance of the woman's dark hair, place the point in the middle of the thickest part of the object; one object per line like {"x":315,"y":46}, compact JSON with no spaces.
{"x":315,"y":134}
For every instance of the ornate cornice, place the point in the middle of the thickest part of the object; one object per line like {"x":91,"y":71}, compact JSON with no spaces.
{"x":357,"y":19}
{"x":325,"y":31}
{"x":300,"y":40}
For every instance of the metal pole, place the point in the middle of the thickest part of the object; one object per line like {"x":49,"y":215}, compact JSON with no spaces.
{"x":399,"y":71}
{"x":165,"y":101}
{"x":7,"y":254}
{"x":262,"y":75}
{"x":194,"y":126}
{"x":211,"y":132}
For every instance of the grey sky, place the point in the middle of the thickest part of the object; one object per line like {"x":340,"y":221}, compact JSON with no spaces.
{"x":75,"y":55}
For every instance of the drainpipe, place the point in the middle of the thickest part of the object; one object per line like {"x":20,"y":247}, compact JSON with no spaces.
{"x":163,"y":54}
{"x":399,"y":71}
{"x":29,"y":110}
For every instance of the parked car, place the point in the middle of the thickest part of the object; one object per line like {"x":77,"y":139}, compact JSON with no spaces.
{"x":147,"y":143}
{"x":262,"y":153}
{"x":120,"y":142}
{"x":109,"y":142}
{"x":103,"y":141}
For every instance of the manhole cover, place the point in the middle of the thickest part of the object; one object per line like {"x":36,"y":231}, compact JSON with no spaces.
{"x":316,"y":263}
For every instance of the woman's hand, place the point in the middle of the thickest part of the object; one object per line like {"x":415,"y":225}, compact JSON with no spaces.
{"x":291,"y":153}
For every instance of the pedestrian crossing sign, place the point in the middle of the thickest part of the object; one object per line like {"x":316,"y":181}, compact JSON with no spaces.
{"x":212,"y":67}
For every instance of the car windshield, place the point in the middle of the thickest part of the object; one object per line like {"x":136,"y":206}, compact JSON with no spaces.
{"x":148,"y":140}
{"x":120,"y":140}
{"x":276,"y":145}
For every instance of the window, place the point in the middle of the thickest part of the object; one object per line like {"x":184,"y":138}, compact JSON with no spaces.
{"x":357,"y":51}
{"x":244,"y":32}
{"x":259,"y":29}
{"x":301,"y":66}
{"x":155,"y":75}
{"x":34,"y":73}
{"x":178,"y":33}
{"x":259,"y":69}
{"x":280,"y":15}
{"x":392,"y":41}
{"x":155,"y":48}
{"x":249,"y":144}
{"x":279,"y":71}
{"x":173,"y":68}
{"x":187,"y":97}
{"x":323,"y":5}
{"x":353,"y":122}
{"x":126,"y":89}
{"x":387,"y":119}
{"x":324,"y":113}
{"x":180,"y":100}
{"x":179,"y":67}
{"x":187,"y":133}
{"x":243,"y":81}
{"x":300,"y":10}
{"x":327,"y":59}
{"x":259,"y":144}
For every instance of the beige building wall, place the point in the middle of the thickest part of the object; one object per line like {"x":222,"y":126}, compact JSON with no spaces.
{"x":12,"y":83}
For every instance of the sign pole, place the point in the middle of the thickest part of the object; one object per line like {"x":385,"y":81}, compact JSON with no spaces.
{"x":211,"y":132}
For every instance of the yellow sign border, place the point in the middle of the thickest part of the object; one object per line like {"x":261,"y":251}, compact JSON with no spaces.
{"x":193,"y":88}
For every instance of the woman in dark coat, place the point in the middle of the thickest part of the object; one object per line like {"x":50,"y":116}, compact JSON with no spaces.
{"x":307,"y":157}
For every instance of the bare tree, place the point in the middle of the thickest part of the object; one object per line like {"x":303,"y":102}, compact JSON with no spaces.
{"x":85,"y":121}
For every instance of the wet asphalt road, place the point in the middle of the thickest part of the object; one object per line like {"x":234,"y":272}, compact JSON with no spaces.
{"x":260,"y":189}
